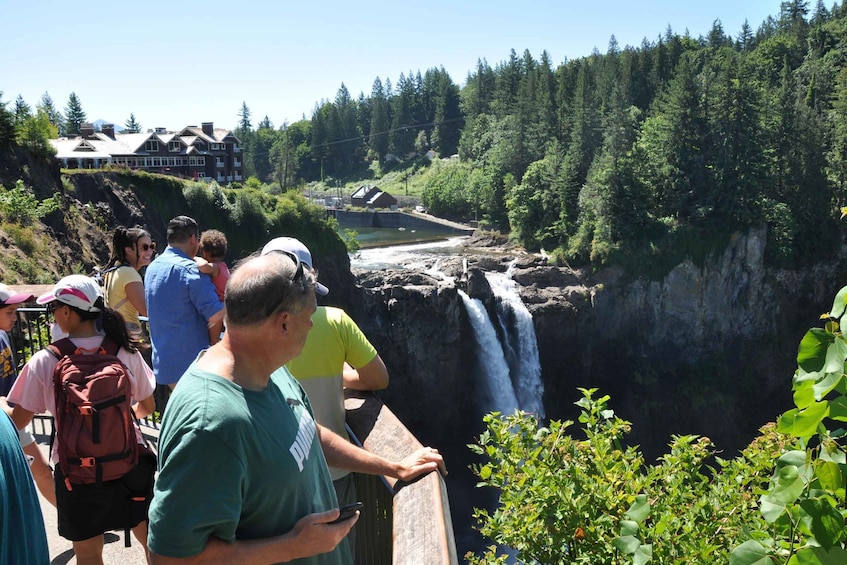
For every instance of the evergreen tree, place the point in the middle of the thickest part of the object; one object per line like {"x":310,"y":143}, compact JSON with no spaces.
{"x":244,"y":124}
{"x":380,"y":121}
{"x":21,"y":110}
{"x":402,"y":139}
{"x":448,"y":116}
{"x":132,"y":125}
{"x":55,"y":117}
{"x":7,"y":126}
{"x":74,"y":115}
{"x":745,"y":40}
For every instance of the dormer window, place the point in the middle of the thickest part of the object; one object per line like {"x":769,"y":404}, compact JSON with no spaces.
{"x":174,"y":146}
{"x":151,"y":145}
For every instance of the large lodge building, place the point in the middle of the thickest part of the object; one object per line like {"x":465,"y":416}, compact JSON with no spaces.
{"x":203,"y":153}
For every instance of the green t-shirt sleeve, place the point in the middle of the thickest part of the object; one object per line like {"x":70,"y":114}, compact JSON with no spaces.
{"x":197,"y":495}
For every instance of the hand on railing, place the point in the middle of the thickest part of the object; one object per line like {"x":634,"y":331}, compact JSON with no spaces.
{"x":420,"y":462}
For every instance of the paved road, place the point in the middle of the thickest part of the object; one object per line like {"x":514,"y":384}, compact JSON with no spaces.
{"x":61,"y":550}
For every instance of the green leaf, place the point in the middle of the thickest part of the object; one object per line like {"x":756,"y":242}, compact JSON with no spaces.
{"x":817,"y":556}
{"x":629,"y":528}
{"x":807,"y":420}
{"x":839,"y":304}
{"x":827,"y":523}
{"x":835,"y":355}
{"x":750,"y":553}
{"x":787,"y":486}
{"x":838,"y":409}
{"x":640,"y":509}
{"x":626,"y":544}
{"x":795,"y":457}
{"x":804,"y":392}
{"x":829,"y":475}
{"x":828,"y":383}
{"x":785,"y":423}
{"x":643,"y":554}
{"x":812,"y":351}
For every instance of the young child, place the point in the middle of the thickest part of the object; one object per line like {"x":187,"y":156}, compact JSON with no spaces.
{"x":41,"y":472}
{"x":211,"y":262}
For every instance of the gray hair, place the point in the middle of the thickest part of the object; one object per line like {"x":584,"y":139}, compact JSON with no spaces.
{"x":264,"y":285}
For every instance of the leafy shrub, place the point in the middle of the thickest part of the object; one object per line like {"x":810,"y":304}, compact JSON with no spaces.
{"x":804,"y":509}
{"x":593,"y":500}
{"x":19,"y":204}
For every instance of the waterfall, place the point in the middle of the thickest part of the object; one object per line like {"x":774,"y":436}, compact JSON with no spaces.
{"x":498,"y":393}
{"x":520,"y":347}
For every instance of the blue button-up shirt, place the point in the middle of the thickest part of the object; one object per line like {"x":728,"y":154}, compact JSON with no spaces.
{"x":180,"y":301}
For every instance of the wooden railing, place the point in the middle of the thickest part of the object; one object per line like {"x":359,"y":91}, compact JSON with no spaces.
{"x":422,"y":529}
{"x":401,"y":523}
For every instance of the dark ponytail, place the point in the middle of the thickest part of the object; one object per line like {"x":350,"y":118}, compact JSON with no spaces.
{"x":113,"y":324}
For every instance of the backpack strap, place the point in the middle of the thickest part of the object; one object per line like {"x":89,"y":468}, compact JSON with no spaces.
{"x":61,"y":348}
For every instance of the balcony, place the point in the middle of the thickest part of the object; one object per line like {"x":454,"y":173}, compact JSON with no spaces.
{"x":403,"y":523}
{"x":236,"y":163}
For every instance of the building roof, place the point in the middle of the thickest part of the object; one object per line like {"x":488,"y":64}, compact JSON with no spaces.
{"x":101,"y":146}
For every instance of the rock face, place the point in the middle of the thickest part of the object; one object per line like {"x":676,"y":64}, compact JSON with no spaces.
{"x":418,"y":325}
{"x":708,"y":350}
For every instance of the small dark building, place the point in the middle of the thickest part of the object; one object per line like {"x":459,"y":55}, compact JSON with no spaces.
{"x":367,"y":196}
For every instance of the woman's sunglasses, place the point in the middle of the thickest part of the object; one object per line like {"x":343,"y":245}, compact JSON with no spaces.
{"x":147,"y":246}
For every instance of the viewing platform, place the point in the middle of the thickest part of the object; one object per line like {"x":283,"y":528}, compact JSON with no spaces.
{"x":401,"y":523}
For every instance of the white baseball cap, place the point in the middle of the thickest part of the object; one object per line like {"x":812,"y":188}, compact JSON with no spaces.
{"x":294,"y":247}
{"x":78,"y":291}
{"x":8,"y":297}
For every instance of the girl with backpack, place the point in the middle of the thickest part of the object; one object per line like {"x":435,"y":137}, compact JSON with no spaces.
{"x":90,"y":500}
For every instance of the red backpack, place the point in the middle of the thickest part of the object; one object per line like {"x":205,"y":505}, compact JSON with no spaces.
{"x":94,"y":419}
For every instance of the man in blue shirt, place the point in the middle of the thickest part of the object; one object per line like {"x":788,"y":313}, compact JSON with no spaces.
{"x":181,"y":305}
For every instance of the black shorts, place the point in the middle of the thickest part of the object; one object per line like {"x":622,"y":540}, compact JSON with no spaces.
{"x":89,"y":510}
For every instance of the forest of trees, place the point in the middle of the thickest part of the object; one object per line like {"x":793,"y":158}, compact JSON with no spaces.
{"x":674,"y":142}
{"x":678,"y":139}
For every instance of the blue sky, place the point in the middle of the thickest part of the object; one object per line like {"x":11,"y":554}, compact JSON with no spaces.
{"x":182,"y":63}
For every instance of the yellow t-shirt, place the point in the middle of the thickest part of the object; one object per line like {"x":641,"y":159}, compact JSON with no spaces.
{"x":333,"y":339}
{"x":115,"y":295}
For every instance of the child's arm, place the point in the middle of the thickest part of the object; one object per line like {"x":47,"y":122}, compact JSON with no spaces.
{"x":206,"y":267}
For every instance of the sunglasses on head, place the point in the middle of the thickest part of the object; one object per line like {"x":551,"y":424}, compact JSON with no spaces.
{"x":147,"y":246}
{"x":298,"y":273}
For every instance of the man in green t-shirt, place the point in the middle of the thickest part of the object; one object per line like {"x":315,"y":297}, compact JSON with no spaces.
{"x":243,"y":472}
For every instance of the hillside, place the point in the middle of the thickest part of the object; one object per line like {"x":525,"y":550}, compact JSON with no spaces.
{"x":54,"y":224}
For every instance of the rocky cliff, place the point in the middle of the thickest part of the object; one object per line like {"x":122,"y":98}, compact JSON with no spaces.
{"x":707,"y":350}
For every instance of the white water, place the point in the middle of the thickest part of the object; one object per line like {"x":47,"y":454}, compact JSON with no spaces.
{"x":412,"y":256}
{"x":511,"y":369}
{"x":520,"y":344}
{"x":498,"y":392}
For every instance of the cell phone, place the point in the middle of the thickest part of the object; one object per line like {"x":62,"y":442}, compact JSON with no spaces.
{"x":347,"y":512}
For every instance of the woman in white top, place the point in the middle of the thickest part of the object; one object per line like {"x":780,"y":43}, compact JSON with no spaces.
{"x":78,"y":308}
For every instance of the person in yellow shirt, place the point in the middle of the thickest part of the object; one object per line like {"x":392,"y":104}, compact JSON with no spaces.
{"x":132,"y":249}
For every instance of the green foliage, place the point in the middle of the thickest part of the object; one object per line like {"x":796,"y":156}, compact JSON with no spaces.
{"x":445,"y":193}
{"x":351,"y":241}
{"x":19,"y":204}
{"x":594,"y":500}
{"x":804,"y":509}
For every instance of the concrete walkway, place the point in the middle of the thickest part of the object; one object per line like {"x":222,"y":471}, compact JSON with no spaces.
{"x":61,"y":550}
